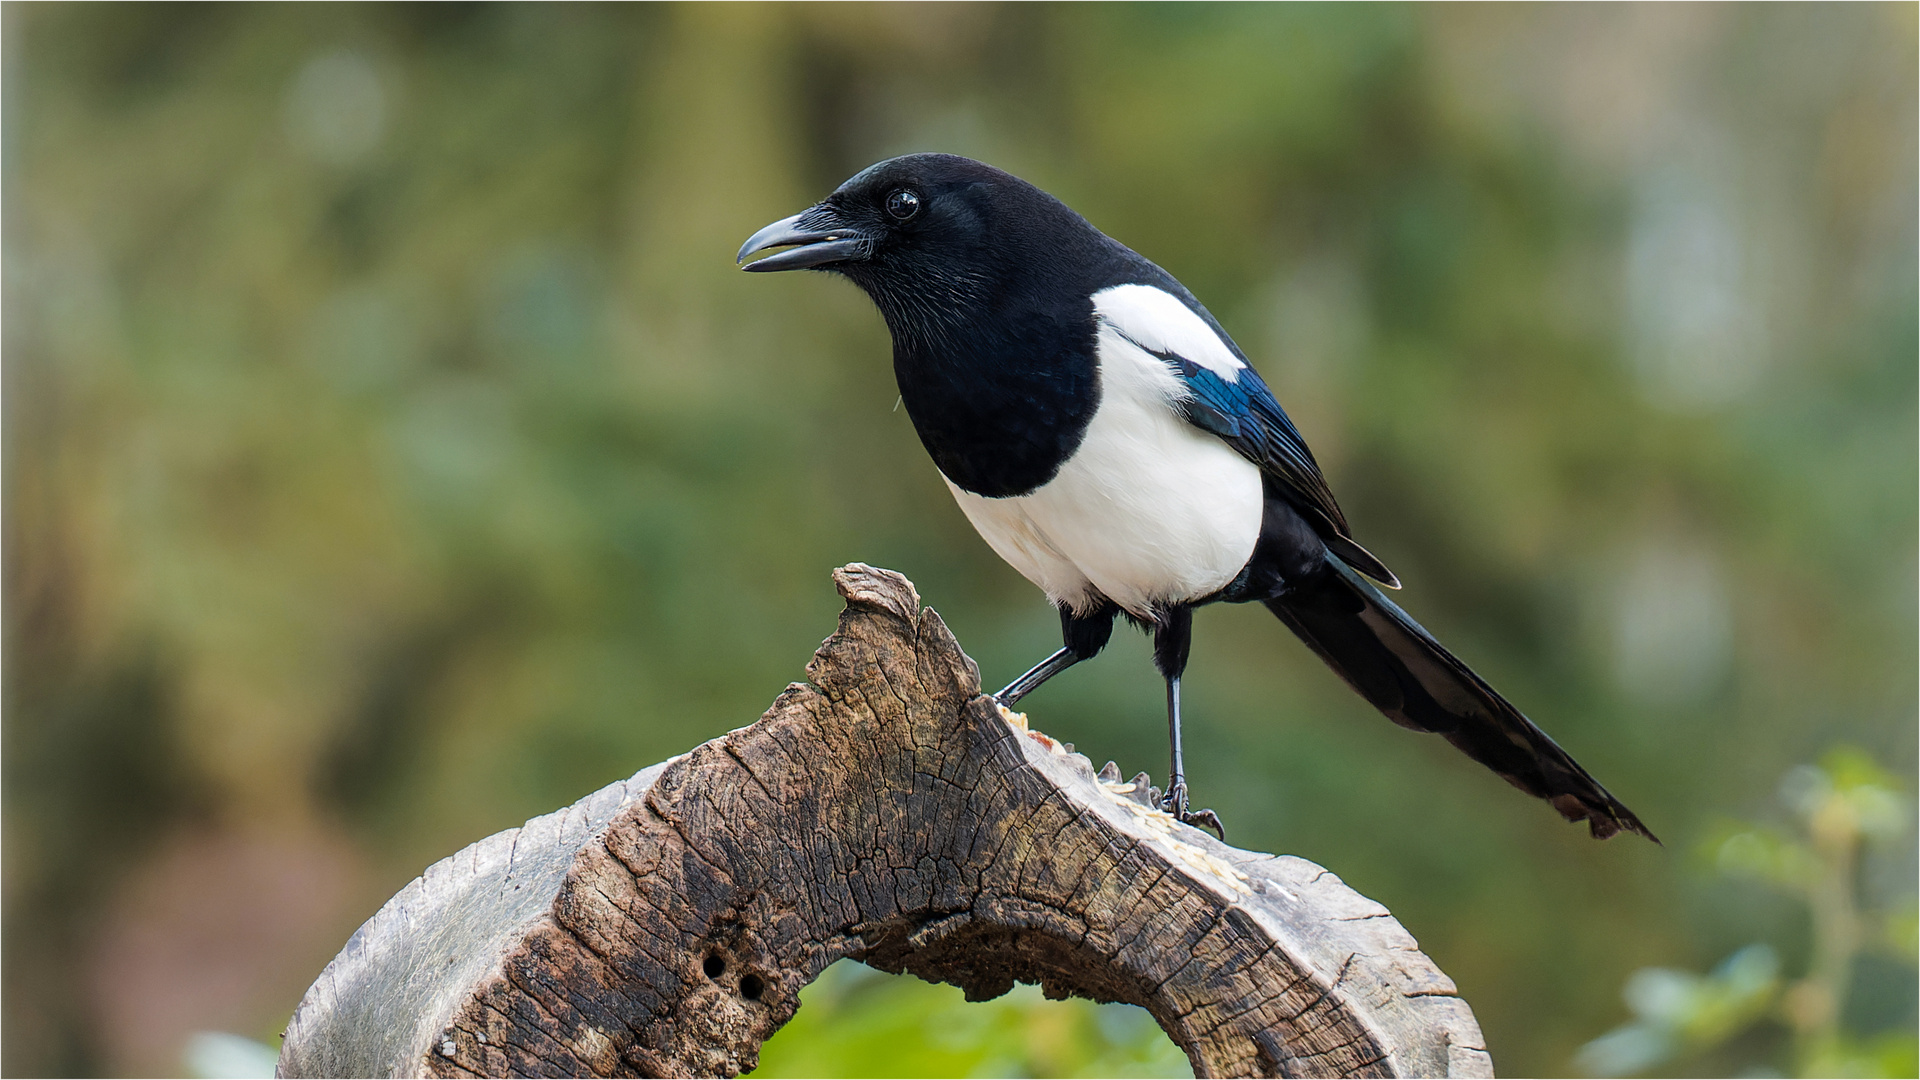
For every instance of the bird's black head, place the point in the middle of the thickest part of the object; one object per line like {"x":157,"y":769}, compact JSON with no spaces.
{"x":932,"y":237}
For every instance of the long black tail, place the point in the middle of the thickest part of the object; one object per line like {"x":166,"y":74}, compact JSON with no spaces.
{"x":1395,"y":664}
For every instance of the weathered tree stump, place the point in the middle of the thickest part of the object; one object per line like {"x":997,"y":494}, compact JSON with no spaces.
{"x":887,"y":811}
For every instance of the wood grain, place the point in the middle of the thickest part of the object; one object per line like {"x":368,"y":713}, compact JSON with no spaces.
{"x":887,"y":811}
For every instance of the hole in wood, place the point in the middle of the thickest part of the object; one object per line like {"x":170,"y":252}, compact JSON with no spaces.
{"x":1040,"y":872}
{"x":851,"y":1008}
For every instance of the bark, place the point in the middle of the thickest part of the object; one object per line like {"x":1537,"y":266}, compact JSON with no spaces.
{"x":890,"y":812}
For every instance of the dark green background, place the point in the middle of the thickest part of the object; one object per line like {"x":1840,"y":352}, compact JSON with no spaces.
{"x":393,"y":452}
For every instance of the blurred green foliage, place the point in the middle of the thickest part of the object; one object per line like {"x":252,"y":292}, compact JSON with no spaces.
{"x":1676,"y":1011}
{"x":855,"y":1021}
{"x":1846,"y":808}
{"x":392,"y":452}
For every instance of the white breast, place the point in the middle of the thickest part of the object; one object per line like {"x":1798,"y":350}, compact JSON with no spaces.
{"x":1150,"y":510}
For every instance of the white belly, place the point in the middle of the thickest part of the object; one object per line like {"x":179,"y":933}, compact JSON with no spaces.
{"x":1150,"y":511}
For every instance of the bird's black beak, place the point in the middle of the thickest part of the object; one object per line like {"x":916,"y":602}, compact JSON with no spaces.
{"x":815,"y":237}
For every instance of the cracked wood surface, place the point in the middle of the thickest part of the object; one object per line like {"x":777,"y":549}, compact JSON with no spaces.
{"x":890,"y":812}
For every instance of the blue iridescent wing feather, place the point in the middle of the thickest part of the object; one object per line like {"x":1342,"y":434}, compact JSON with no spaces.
{"x":1245,"y":415}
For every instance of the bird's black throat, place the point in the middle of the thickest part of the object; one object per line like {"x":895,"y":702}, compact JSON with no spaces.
{"x":1000,"y":388}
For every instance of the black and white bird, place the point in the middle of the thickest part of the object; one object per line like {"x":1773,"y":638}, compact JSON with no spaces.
{"x":1111,"y":442}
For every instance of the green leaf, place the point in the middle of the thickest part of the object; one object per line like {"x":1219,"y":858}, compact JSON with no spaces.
{"x":1767,"y":854}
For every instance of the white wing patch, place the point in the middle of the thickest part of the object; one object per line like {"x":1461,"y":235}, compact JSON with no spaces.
{"x":1156,"y":320}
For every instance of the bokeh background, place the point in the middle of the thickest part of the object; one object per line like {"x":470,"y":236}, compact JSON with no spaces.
{"x":393,"y":453}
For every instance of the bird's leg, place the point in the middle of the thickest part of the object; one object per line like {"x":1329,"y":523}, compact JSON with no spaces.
{"x":1172,"y":640}
{"x":1037,"y":674}
{"x":1085,"y":636}
{"x":1176,"y":801}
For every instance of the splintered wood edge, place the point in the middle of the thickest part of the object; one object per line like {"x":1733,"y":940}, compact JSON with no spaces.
{"x":467,"y":931}
{"x":1371,"y":963}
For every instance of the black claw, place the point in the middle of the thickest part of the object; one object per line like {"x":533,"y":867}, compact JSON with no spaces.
{"x":1175,"y":800}
{"x":1175,"y":803}
{"x":1206,"y":819}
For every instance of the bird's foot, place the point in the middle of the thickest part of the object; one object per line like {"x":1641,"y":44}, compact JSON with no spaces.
{"x":1205,"y":819}
{"x":1175,"y":803}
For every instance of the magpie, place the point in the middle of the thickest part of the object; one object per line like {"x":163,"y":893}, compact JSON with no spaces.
{"x":1109,"y":440}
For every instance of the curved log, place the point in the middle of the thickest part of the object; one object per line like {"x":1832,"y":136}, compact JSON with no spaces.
{"x":890,"y":812}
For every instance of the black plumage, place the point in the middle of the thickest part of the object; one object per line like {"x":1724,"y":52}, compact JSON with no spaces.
{"x":1069,"y":390}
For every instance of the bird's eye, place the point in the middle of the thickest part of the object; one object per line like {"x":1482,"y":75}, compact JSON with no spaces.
{"x":903,"y":204}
